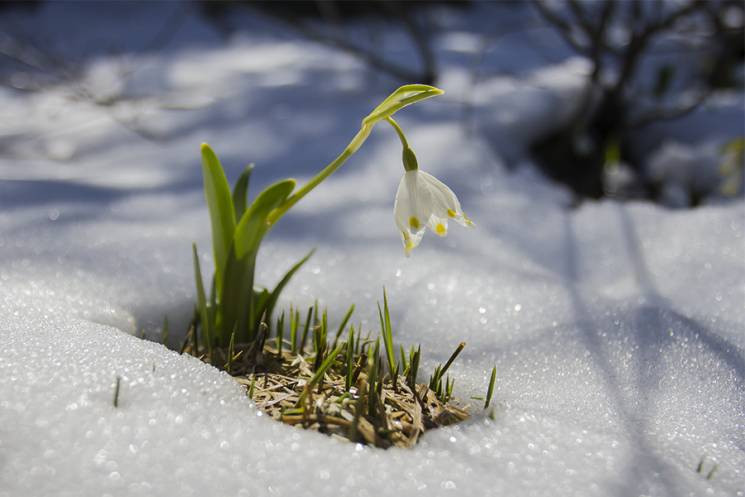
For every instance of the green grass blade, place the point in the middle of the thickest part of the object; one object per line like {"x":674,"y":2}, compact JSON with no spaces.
{"x":306,"y":329}
{"x":350,"y":360}
{"x":261,"y":297}
{"x":387,"y":332}
{"x":231,"y":353}
{"x":116,"y":391}
{"x":274,"y":294}
{"x":251,"y":388}
{"x":403,"y":363}
{"x":294,"y":318}
{"x":455,"y":353}
{"x":280,"y":333}
{"x":343,"y":325}
{"x":165,"y":331}
{"x":414,"y":369}
{"x":204,"y":317}
{"x":220,"y":205}
{"x":490,"y":391}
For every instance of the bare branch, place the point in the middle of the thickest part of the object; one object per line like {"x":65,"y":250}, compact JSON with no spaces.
{"x":563,"y":27}
{"x":421,"y":41}
{"x":640,"y":40}
{"x":669,"y":20}
{"x":581,"y":16}
{"x":369,"y":57}
{"x":666,"y":114}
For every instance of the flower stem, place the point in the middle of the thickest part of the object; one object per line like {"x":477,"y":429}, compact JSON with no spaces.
{"x":327,"y":171}
{"x":408,"y":156}
{"x":399,"y":131}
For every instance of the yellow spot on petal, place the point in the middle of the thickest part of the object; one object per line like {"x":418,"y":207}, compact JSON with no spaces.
{"x":414,"y":223}
{"x":440,"y":229}
{"x":408,"y":243}
{"x":452,"y":213}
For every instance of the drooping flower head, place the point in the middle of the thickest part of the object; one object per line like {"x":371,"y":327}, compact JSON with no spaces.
{"x":423,"y":201}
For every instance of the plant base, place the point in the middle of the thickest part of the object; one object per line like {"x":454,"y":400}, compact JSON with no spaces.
{"x":390,"y":415}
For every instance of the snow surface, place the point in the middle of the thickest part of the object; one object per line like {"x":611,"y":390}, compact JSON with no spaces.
{"x":616,"y":329}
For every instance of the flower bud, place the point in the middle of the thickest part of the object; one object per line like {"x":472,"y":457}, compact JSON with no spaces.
{"x":410,"y":163}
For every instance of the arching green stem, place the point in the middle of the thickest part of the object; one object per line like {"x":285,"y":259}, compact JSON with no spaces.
{"x":327,"y":171}
{"x":408,"y":155}
{"x":399,"y":131}
{"x":402,"y":97}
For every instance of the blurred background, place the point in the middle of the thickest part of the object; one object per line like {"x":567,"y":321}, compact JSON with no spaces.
{"x":628,"y":100}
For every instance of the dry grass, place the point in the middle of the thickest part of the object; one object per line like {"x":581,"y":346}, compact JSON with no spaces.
{"x":374,"y":411}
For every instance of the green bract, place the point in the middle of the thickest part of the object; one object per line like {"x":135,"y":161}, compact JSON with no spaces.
{"x":234,"y":309}
{"x":406,"y":95}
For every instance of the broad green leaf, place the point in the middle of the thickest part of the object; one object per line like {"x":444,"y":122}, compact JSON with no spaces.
{"x":236,"y":297}
{"x":237,"y":303}
{"x":274,"y":295}
{"x":240,"y":191}
{"x":220,"y":204}
{"x":405,"y":95}
{"x":253,"y":225}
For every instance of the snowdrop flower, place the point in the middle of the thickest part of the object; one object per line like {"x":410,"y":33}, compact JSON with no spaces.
{"x":424,"y":201}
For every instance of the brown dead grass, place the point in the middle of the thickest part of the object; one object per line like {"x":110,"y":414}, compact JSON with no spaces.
{"x":390,"y":416}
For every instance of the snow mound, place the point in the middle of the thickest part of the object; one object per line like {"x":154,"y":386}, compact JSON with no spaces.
{"x":608,"y":378}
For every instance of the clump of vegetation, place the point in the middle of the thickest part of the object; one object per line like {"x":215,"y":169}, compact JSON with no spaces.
{"x":340,"y":386}
{"x":353,"y":387}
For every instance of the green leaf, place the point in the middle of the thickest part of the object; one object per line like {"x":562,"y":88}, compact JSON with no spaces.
{"x":387,"y":331}
{"x":490,"y":390}
{"x":219,"y":202}
{"x":343,"y":325}
{"x":236,"y":304}
{"x":240,"y":191}
{"x":405,"y":95}
{"x":253,"y":225}
{"x":204,"y":317}
{"x":274,"y":295}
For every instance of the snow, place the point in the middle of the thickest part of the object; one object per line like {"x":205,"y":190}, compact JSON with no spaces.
{"x":616,"y":329}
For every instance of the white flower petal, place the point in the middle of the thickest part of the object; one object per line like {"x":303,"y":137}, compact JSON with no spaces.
{"x":444,"y":195}
{"x":424,"y":201}
{"x":438,"y":225}
{"x":447,"y":203}
{"x":419,"y":200}
{"x":402,"y":205}
{"x":411,"y":240}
